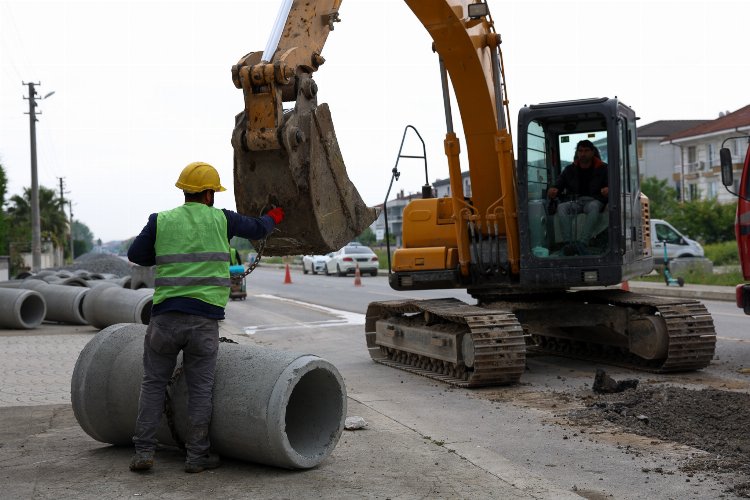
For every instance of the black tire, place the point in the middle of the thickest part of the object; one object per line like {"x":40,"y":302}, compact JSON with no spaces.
{"x":325,"y":270}
{"x":304,"y":269}
{"x":680,"y":281}
{"x":374,"y":273}
{"x":339,"y":272}
{"x":314,"y":271}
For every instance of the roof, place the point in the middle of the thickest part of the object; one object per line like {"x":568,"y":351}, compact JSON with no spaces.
{"x":664,"y":128}
{"x":731,"y":121}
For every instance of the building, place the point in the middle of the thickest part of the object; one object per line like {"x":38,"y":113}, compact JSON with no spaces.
{"x":698,"y":170}
{"x":660,"y":160}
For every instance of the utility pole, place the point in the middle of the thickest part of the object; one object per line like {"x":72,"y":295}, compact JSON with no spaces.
{"x":70,"y":207}
{"x":62,"y":208}
{"x":36,"y":231}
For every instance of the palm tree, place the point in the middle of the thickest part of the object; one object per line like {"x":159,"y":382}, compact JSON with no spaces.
{"x":54,"y":223}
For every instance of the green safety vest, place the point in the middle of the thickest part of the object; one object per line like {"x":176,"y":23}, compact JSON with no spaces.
{"x":192,"y":254}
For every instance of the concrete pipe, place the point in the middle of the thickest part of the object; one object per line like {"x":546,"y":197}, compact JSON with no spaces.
{"x":64,"y":303}
{"x":73,"y":281}
{"x":108,"y":305}
{"x":19,"y":308}
{"x":269,"y":407}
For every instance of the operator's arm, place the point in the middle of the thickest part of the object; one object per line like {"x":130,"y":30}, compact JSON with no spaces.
{"x":562,"y":182}
{"x":143,"y":251}
{"x":251,"y":228}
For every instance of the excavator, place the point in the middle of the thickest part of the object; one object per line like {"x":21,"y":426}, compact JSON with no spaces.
{"x":504,"y":242}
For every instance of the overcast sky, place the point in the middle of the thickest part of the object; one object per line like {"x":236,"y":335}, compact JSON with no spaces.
{"x":144,"y":88}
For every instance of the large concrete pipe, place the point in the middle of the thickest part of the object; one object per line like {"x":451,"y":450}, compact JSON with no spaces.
{"x":20,"y":308}
{"x":269,"y":407}
{"x":64,"y":303}
{"x":108,"y":305}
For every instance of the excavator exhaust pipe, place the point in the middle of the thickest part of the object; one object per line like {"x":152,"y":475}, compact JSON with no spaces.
{"x":306,"y":176}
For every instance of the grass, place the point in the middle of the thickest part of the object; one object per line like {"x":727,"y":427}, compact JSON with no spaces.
{"x":694,"y":277}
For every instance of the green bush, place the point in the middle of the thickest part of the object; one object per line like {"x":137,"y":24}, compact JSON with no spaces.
{"x":693,"y":277}
{"x":722,"y":254}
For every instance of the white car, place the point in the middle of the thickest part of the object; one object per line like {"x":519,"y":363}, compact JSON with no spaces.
{"x":314,"y":263}
{"x":347,"y":259}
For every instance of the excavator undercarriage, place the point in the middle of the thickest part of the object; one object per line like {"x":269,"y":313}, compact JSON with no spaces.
{"x":473,"y":346}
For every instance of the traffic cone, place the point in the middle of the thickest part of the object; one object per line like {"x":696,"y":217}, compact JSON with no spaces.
{"x":624,"y":286}
{"x":357,"y":277}
{"x":288,"y":277}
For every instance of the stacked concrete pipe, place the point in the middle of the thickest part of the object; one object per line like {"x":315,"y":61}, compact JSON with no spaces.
{"x":108,"y":305}
{"x":64,"y":303}
{"x":20,"y":308}
{"x":269,"y":407}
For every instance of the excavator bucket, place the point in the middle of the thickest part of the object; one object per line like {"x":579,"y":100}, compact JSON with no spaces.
{"x":306,"y":177}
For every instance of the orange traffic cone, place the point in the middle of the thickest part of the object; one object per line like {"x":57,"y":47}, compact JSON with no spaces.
{"x":357,"y":277}
{"x":625,"y":286}
{"x":288,"y":277}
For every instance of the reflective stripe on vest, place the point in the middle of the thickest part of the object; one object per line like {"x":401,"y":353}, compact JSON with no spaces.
{"x":192,"y":254}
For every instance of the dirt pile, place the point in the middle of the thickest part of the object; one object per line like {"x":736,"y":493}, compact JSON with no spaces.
{"x":710,"y":420}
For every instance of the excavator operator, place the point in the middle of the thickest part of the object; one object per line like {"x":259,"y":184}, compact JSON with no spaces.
{"x":190,"y":247}
{"x":587,"y":182}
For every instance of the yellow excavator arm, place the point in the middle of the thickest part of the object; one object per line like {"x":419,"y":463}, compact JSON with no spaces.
{"x":293,"y":159}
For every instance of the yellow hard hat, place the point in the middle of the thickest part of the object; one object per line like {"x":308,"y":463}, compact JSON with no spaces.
{"x":199,"y":176}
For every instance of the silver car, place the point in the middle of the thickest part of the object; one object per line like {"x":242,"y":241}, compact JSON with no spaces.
{"x":346,"y":260}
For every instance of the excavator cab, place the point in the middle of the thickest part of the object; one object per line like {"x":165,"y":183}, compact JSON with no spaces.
{"x":562,"y":242}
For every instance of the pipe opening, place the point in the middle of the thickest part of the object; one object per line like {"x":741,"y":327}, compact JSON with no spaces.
{"x":313,"y":414}
{"x":32,"y":310}
{"x":146,"y":312}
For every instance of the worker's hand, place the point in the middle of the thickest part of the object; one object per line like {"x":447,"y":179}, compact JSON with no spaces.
{"x":605,"y":191}
{"x":552,"y":193}
{"x":277,"y":214}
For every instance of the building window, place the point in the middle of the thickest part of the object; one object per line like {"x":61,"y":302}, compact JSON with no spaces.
{"x":691,"y":154}
{"x":640,"y":150}
{"x":711,"y":191}
{"x":711,"y":154}
{"x":694,"y":192}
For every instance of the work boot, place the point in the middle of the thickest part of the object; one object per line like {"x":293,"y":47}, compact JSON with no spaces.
{"x":142,"y":461}
{"x":205,"y":462}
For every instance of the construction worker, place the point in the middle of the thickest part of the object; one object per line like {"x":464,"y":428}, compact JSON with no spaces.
{"x":190,"y":247}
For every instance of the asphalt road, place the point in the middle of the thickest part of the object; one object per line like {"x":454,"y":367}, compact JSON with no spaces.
{"x":424,"y":439}
{"x":520,"y":433}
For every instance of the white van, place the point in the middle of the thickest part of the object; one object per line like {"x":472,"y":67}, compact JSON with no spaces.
{"x":678,"y":245}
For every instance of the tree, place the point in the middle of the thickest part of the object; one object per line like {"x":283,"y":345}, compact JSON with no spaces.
{"x":83,"y":239}
{"x":54,"y":223}
{"x":662,"y":198}
{"x":706,"y":220}
{"x":367,"y":237}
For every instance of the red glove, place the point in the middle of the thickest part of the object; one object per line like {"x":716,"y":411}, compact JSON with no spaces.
{"x":277,"y":214}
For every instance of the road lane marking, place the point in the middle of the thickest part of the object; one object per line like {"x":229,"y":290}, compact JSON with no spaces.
{"x":344,"y":318}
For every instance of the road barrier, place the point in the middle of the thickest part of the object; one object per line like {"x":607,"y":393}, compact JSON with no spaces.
{"x":269,"y":407}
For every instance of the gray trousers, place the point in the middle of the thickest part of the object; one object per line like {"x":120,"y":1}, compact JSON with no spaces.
{"x":198,"y":339}
{"x":568,"y":211}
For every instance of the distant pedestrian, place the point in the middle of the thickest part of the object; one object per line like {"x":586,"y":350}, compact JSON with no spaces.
{"x":190,"y":247}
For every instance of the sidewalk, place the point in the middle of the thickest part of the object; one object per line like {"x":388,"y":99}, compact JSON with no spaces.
{"x":689,"y":291}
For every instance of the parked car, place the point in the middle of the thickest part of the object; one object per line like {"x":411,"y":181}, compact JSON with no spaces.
{"x":314,"y":263}
{"x":678,"y":245}
{"x":347,"y":259}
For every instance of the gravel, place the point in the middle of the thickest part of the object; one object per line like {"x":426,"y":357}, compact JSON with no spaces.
{"x":100,"y":263}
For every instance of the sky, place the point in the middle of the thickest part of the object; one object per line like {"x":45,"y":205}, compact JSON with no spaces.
{"x":142,"y":88}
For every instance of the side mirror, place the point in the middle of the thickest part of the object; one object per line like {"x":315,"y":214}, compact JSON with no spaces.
{"x":727,"y":175}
